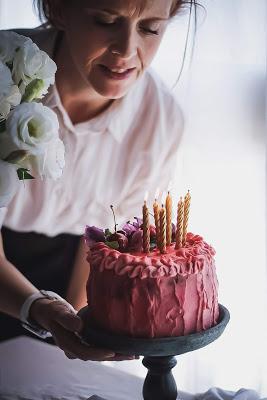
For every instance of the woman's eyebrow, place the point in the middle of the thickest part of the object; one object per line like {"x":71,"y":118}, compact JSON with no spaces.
{"x":114,"y":12}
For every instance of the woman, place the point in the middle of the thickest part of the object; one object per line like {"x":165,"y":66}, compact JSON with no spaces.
{"x":121,"y":128}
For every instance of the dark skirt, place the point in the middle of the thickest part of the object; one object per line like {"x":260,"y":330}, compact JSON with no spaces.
{"x":46,"y":261}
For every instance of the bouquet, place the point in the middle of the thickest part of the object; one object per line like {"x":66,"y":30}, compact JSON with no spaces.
{"x":29,"y":139}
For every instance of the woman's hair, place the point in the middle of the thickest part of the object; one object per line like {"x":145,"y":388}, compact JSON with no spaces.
{"x":44,"y":9}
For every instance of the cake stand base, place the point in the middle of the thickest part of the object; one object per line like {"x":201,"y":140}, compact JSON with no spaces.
{"x":159,"y":383}
{"x":158,"y":352}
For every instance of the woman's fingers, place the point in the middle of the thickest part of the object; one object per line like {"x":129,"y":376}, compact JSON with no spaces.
{"x":65,"y":317}
{"x":63,"y":323}
{"x":123,"y":358}
{"x":71,"y":344}
{"x":70,"y":355}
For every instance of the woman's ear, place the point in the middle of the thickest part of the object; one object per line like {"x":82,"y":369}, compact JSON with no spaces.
{"x":56,"y":13}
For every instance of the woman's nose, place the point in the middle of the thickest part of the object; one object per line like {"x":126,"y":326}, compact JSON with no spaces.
{"x":125,"y":45}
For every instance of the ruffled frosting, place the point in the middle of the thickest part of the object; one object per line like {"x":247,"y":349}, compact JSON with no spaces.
{"x":187,"y":260}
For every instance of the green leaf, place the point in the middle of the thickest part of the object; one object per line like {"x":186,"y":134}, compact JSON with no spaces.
{"x":112,"y":245}
{"x":2,"y":126}
{"x":33,"y":90}
{"x":107,"y":232}
{"x":16,"y":156}
{"x":24,"y":174}
{"x":153,"y":246}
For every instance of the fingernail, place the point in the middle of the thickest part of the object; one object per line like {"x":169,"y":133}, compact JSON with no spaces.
{"x":110,"y":355}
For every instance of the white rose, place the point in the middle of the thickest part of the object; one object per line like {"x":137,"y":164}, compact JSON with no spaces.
{"x":49,"y":164}
{"x":9,"y":182}
{"x":9,"y":93}
{"x":32,"y":64}
{"x":30,"y":127}
{"x":10,"y":42}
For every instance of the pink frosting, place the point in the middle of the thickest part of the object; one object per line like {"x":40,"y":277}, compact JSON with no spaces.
{"x":187,"y":260}
{"x":154,"y":295}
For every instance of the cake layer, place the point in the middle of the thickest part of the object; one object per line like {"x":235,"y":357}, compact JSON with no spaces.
{"x":153,"y":295}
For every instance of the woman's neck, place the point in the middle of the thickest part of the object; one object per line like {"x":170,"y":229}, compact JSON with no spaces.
{"x":77,"y":96}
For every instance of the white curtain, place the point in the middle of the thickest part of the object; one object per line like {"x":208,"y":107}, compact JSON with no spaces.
{"x":222,"y":161}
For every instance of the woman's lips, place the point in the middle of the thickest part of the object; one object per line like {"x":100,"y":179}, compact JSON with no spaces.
{"x":116,"y":73}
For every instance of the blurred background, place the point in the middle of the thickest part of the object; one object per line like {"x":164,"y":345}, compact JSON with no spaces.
{"x":222,"y":92}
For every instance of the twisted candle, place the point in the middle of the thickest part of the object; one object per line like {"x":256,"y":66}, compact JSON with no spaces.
{"x":156,"y":217}
{"x":162,"y":224}
{"x":180,"y":224}
{"x":146,"y":229}
{"x":187,"y":201}
{"x":168,"y":219}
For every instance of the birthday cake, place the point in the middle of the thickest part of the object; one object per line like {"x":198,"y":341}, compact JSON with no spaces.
{"x":145,"y":284}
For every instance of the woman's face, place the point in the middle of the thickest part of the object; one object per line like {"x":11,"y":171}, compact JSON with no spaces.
{"x":111,"y":42}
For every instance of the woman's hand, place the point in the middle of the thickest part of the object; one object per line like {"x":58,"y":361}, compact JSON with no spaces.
{"x":64,"y":325}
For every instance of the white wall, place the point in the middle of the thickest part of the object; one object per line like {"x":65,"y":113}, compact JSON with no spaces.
{"x":17,"y":13}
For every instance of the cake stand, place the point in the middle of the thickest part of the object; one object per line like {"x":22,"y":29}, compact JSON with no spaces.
{"x":158,"y":352}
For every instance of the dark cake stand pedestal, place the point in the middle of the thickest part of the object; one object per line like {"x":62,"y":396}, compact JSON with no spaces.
{"x":158,"y":352}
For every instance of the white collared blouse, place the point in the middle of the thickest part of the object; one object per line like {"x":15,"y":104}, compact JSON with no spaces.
{"x":111,"y":159}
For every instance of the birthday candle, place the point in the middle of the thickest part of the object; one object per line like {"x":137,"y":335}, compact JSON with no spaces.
{"x":187,"y":201}
{"x":162,"y":224}
{"x":146,"y":226}
{"x":168,"y":219}
{"x":156,"y":216}
{"x":180,"y":224}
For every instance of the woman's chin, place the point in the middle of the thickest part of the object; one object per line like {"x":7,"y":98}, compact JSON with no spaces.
{"x":112,"y":92}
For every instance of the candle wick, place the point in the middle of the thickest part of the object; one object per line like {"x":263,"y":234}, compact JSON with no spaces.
{"x":114,"y":217}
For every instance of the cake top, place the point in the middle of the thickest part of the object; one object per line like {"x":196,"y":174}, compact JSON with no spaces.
{"x":128,"y":239}
{"x":140,"y":236}
{"x":189,"y":259}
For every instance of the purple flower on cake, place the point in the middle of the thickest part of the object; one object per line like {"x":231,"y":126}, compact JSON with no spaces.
{"x":132,"y":227}
{"x":136,"y":241}
{"x":128,"y":238}
{"x":128,"y":229}
{"x":138,"y":223}
{"x":93,"y":235}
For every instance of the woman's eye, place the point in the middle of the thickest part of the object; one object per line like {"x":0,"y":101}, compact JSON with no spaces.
{"x":150,"y":31}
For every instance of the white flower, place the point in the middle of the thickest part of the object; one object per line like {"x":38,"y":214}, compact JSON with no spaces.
{"x":9,"y":93}
{"x":9,"y":182}
{"x":32,"y":64}
{"x":30,"y":127}
{"x":49,"y":164}
{"x":10,"y":42}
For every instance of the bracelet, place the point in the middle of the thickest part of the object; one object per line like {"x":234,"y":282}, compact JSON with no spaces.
{"x":32,"y":326}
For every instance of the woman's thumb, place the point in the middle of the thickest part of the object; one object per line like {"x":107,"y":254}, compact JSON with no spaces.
{"x":68,"y":320}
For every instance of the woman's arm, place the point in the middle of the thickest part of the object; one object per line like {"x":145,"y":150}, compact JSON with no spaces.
{"x":76,"y":294}
{"x":52,"y":315}
{"x":14,"y":287}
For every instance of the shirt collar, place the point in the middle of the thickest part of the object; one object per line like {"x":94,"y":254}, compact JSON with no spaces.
{"x":117,"y":119}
